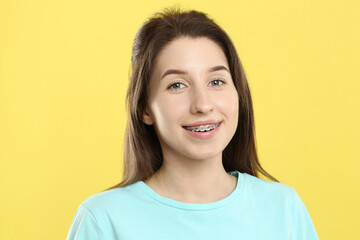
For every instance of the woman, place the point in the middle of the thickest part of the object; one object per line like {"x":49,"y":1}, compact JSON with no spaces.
{"x":190,"y":164}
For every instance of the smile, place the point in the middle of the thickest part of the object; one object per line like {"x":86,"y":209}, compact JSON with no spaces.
{"x":206,"y":131}
{"x":202,"y":128}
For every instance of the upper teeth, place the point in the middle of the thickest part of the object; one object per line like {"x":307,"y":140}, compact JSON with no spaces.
{"x":203,"y":128}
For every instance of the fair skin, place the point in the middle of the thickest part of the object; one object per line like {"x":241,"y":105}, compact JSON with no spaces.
{"x":191,"y":82}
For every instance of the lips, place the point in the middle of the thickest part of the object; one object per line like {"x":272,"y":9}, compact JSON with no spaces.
{"x":196,"y":130}
{"x":203,"y":123}
{"x":203,"y":128}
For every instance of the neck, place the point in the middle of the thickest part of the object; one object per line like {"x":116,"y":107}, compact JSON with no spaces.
{"x":193,"y":181}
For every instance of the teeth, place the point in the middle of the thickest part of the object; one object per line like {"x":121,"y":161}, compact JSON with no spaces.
{"x":202,"y":128}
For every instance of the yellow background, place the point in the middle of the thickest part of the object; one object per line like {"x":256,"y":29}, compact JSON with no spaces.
{"x":64,"y":69}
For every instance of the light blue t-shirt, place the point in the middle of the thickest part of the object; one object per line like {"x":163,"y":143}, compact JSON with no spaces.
{"x":256,"y":210}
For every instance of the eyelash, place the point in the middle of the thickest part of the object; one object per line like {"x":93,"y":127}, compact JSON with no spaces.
{"x":216,"y":79}
{"x":174,"y":84}
{"x":222,"y":82}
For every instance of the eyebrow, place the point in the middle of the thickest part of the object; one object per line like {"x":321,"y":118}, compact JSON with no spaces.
{"x":178,"y":71}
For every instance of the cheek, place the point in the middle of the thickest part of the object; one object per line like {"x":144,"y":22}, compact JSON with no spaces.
{"x":229,"y":104}
{"x":168,"y":111}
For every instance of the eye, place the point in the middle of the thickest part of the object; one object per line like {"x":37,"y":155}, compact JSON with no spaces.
{"x":176,"y":85}
{"x":217,"y":82}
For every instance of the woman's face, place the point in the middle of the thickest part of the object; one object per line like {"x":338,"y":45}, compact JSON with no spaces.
{"x":193,"y":103}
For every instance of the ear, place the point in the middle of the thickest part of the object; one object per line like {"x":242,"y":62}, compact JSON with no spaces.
{"x":146,"y":117}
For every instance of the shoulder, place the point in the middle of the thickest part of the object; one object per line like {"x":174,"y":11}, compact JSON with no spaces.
{"x":265,"y":185}
{"x":110,"y":199}
{"x":278,"y":201}
{"x":266,"y":190}
{"x":96,"y":214}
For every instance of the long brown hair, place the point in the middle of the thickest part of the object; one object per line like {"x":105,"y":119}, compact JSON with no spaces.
{"x":142,"y":151}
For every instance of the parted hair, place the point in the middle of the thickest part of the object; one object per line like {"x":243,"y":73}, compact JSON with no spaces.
{"x":142,"y":150}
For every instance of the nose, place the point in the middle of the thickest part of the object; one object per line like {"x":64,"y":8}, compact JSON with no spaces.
{"x":202,"y":101}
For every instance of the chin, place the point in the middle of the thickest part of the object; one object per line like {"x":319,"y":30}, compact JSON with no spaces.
{"x":205,"y":155}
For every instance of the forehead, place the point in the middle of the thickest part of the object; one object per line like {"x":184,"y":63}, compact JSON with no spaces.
{"x":190,"y":54}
